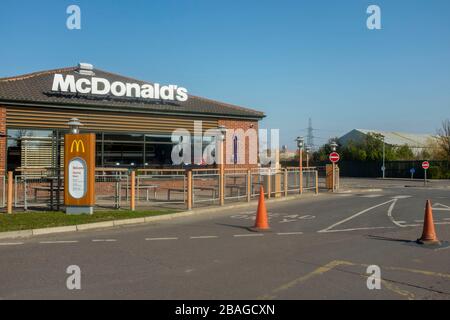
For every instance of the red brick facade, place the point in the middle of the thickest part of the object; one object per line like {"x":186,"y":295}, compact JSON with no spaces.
{"x":244,"y":125}
{"x":2,"y":140}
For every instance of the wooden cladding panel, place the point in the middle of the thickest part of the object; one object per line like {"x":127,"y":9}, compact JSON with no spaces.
{"x":101,"y":121}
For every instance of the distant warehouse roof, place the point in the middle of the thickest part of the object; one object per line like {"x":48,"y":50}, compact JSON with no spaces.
{"x":393,"y":138}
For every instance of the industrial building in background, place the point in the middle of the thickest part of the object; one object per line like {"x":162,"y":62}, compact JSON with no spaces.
{"x":416,"y":142}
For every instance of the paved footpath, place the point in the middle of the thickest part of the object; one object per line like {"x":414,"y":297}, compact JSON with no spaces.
{"x":319,"y":247}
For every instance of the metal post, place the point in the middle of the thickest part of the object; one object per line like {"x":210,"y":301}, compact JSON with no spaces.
{"x":269,"y":183}
{"x":133,"y":191}
{"x":10,"y":192}
{"x":425,"y":180}
{"x":334,"y":178}
{"x":285,"y":182}
{"x":25,"y":204}
{"x":249,"y":185}
{"x":317,"y":182}
{"x":222,"y":175}
{"x":58,"y":170}
{"x":301,"y":171}
{"x":189,"y":189}
{"x":384,"y":158}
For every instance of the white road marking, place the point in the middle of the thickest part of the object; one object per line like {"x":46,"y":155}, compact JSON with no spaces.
{"x":356,"y":229}
{"x":440,"y":249}
{"x":158,"y":239}
{"x":354,"y":216}
{"x":204,"y":237}
{"x":440,"y":205}
{"x":419,"y":225}
{"x":401,"y":197}
{"x":391,"y":208}
{"x":248,"y":235}
{"x":58,"y":242}
{"x":288,"y":233}
{"x":371,"y":196}
{"x":11,"y":244}
{"x":447,"y":219}
{"x":104,"y":240}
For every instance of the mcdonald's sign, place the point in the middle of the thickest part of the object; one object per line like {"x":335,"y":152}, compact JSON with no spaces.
{"x":79,"y":173}
{"x":77,"y":146}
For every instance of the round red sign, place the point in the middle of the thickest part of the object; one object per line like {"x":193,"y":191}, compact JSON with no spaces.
{"x":334,"y":157}
{"x":425,"y":165}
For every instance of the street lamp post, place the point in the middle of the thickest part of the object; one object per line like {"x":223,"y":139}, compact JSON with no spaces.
{"x":222,"y":130}
{"x":384,"y":157}
{"x":74,"y":125}
{"x":308,"y":150}
{"x":333,"y":146}
{"x":300,"y":142}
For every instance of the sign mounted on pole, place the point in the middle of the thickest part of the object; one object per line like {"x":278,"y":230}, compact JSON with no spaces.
{"x":334,"y":157}
{"x":425,"y":166}
{"x":79,"y":173}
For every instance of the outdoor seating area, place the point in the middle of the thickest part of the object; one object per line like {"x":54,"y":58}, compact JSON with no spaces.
{"x":41,"y":189}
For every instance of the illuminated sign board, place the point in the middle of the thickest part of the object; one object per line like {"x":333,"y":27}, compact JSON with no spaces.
{"x":102,"y":86}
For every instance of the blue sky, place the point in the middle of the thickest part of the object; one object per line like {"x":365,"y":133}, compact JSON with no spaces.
{"x":291,"y":59}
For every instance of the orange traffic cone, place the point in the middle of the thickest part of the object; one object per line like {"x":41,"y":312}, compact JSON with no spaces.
{"x":262,"y":221}
{"x":428,"y":234}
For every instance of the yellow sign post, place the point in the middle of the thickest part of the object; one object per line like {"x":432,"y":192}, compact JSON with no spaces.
{"x":79,"y":173}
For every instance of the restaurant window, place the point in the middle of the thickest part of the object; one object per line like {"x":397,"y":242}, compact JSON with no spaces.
{"x":30,"y":148}
{"x":123,"y":150}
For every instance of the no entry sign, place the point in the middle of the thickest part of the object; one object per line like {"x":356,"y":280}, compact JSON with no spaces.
{"x":425,"y":165}
{"x":334,"y":157}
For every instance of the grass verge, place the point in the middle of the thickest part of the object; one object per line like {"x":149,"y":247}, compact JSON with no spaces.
{"x":37,"y":220}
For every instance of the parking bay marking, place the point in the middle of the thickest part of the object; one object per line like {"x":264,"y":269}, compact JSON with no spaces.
{"x":11,"y":244}
{"x":58,"y":242}
{"x":204,"y":237}
{"x":357,"y":215}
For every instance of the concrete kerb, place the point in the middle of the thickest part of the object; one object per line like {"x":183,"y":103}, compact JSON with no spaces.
{"x":138,"y":221}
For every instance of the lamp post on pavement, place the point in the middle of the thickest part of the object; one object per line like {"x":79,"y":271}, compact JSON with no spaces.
{"x":383,"y":168}
{"x":307,"y":150}
{"x":222,"y":130}
{"x":300,"y":142}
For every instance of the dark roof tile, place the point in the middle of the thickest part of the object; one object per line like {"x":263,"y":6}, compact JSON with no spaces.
{"x":36,"y":88}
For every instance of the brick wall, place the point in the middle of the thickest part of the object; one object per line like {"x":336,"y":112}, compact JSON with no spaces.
{"x":244,"y":125}
{"x":2,"y":140}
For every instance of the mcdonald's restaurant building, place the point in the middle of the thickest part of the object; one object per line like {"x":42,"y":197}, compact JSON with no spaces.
{"x":133,"y":120}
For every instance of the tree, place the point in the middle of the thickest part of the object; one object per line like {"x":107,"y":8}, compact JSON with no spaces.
{"x":404,"y":152}
{"x":444,"y":138}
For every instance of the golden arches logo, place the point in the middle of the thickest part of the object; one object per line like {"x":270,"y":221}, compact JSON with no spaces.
{"x":77,"y":145}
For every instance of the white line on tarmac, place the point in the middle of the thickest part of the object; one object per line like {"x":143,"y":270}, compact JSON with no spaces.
{"x":104,"y":240}
{"x":401,"y":197}
{"x":391,"y":208}
{"x":440,"y":249}
{"x":11,"y":244}
{"x":204,"y":237}
{"x":354,"y":216}
{"x":356,"y":229}
{"x":248,"y":235}
{"x":58,"y":242}
{"x":442,"y":205}
{"x":288,"y":233}
{"x":160,"y":239}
